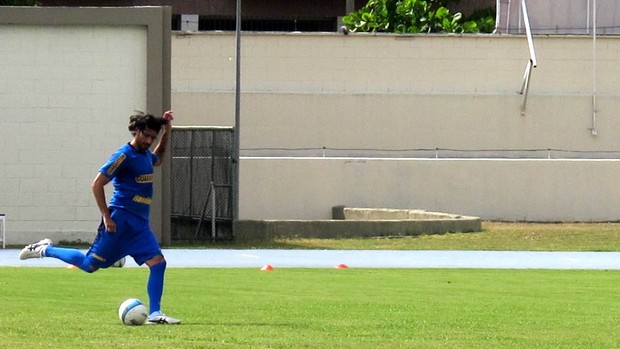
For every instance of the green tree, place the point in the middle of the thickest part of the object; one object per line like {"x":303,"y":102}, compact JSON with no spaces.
{"x":413,"y":16}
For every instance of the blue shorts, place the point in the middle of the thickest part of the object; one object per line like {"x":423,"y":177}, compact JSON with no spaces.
{"x":133,"y":237}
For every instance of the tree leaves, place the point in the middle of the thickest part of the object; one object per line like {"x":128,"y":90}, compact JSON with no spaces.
{"x":413,"y":16}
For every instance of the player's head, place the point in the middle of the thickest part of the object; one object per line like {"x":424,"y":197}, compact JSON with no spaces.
{"x":140,"y":122}
{"x":144,"y":128}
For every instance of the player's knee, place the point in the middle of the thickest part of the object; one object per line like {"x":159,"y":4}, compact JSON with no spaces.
{"x":89,"y":268}
{"x":156,"y":260}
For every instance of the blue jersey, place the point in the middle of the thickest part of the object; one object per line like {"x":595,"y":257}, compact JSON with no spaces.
{"x":131,"y":173}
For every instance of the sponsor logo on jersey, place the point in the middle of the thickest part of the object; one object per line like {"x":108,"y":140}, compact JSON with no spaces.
{"x":116,"y":164}
{"x":146,"y":178}
{"x":142,"y":199}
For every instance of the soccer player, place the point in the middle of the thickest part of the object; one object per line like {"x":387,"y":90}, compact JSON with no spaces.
{"x":124,"y":229}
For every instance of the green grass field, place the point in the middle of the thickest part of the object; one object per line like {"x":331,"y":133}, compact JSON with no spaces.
{"x":495,"y":236}
{"x":316,"y":308}
{"x":336,"y":308}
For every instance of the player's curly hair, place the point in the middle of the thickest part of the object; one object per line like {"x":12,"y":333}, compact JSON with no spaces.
{"x":141,"y":121}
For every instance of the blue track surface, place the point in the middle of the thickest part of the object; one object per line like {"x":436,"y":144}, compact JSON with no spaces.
{"x":361,"y":259}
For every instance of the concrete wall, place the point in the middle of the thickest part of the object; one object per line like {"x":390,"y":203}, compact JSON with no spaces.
{"x":493,"y":189}
{"x":350,"y":100}
{"x":57,"y":118}
{"x":390,"y":96}
{"x":69,"y":79}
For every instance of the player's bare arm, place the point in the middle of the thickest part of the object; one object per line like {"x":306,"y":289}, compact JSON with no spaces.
{"x":160,"y":149}
{"x":98,"y":191}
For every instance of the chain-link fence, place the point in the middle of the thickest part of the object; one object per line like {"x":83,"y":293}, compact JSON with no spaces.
{"x":201,"y":184}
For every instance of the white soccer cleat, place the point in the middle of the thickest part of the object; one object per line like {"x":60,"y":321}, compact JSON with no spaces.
{"x":161,"y":319}
{"x":35,"y":249}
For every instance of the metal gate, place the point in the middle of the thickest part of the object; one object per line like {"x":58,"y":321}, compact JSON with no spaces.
{"x":201,"y":175}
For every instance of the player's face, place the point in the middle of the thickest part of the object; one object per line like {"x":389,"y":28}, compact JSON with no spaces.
{"x":145,"y":138}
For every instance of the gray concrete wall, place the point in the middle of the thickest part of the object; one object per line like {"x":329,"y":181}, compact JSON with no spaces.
{"x":248,"y":231}
{"x":493,"y":189}
{"x":318,"y":111}
{"x":327,"y":120}
{"x":69,"y":79}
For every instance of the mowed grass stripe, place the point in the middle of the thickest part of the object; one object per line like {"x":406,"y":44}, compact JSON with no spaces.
{"x":495,"y":236}
{"x":316,"y":308}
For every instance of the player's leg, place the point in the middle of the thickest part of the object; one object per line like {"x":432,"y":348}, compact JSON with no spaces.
{"x":146,"y":250}
{"x":155,"y":283}
{"x":155,"y":290}
{"x":105,"y":250}
{"x":108,"y":249}
{"x":70,"y":256}
{"x":45,"y":248}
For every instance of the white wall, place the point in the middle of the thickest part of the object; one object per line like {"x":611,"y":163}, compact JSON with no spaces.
{"x":559,"y":17}
{"x":385,"y":96}
{"x":65,"y":93}
{"x":412,"y":92}
{"x":65,"y":96}
{"x":496,"y":189}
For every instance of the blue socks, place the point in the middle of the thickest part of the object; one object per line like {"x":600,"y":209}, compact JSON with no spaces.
{"x":69,"y":255}
{"x":155,"y":286}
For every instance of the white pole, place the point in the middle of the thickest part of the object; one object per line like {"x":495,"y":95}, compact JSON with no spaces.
{"x":3,"y":218}
{"x":593,"y":128}
{"x":528,"y":31}
{"x":508,"y":17}
{"x":520,"y":17}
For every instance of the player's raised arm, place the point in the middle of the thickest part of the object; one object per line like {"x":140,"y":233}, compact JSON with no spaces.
{"x":160,"y":148}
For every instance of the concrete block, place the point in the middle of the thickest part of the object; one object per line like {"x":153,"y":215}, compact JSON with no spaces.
{"x":263,"y":230}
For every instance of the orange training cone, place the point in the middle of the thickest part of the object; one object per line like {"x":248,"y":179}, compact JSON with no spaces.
{"x":267,"y":267}
{"x":341,"y":266}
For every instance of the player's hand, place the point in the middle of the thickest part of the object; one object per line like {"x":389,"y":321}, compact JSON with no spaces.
{"x":110,"y":225}
{"x":168,"y":116}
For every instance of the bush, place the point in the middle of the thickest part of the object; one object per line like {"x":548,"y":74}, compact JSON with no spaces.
{"x":415,"y":16}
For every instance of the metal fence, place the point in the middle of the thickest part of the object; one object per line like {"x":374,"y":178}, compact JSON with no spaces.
{"x":201,"y":184}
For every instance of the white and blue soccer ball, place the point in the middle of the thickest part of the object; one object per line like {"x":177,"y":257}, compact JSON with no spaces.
{"x":119,"y":263}
{"x":132,"y":312}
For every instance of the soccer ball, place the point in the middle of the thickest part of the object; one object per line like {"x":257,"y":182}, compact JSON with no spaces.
{"x":119,"y":263}
{"x":132,"y":312}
